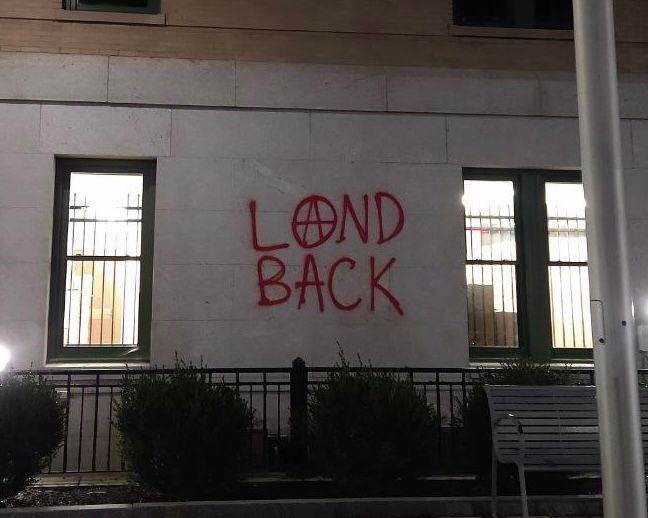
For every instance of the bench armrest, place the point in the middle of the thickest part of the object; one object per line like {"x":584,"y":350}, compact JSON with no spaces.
{"x":511,"y":418}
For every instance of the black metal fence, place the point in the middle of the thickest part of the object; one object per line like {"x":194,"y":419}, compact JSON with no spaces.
{"x":278,"y":396}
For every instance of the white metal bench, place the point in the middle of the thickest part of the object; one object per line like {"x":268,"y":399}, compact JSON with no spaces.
{"x":545,"y":428}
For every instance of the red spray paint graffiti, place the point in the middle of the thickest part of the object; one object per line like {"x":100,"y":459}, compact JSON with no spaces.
{"x":314,"y":223}
{"x":321,"y":216}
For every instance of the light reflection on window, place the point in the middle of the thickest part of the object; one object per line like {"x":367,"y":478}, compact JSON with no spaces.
{"x":103,"y":260}
{"x":490,"y":263}
{"x":568,"y":273}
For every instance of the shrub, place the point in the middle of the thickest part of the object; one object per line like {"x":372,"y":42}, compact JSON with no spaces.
{"x":31,"y":429}
{"x":367,"y":429}
{"x":180,"y":434}
{"x":476,"y":416}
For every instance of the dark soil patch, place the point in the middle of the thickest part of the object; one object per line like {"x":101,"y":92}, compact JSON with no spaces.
{"x":82,"y":495}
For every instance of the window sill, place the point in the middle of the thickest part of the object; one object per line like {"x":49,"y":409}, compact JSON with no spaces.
{"x":476,"y":363}
{"x":510,"y":32}
{"x":97,"y":365}
{"x":109,"y":17}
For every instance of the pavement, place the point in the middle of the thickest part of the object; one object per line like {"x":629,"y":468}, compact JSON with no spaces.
{"x":572,"y":506}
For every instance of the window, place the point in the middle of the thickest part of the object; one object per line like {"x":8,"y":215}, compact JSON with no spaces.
{"x":102,"y":251}
{"x":125,"y":6}
{"x":526,"y":265}
{"x":526,"y":14}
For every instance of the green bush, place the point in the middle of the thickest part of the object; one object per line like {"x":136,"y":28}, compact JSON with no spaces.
{"x":31,"y":429}
{"x":367,"y":429}
{"x":475,"y":415}
{"x":180,"y":434}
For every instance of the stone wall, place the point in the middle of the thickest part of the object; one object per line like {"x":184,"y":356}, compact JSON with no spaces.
{"x":227,"y":134}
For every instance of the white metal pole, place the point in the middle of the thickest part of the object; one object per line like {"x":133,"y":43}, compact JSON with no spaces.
{"x":615,"y":351}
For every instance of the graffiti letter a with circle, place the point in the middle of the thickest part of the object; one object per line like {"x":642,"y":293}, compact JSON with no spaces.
{"x":314,"y":221}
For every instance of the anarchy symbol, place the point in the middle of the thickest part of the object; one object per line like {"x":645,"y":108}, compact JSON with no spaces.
{"x":319,"y":223}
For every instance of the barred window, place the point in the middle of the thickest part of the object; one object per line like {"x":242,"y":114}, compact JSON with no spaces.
{"x":100,"y":296}
{"x":491,"y":259}
{"x":568,"y":274}
{"x":526,"y":264}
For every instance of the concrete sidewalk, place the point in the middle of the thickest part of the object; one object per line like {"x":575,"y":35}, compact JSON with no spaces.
{"x":572,"y":506}
{"x":455,"y":507}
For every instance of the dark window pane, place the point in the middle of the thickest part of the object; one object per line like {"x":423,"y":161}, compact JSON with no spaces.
{"x":496,"y":13}
{"x":529,"y":14}
{"x":554,"y":14}
{"x":126,"y":6}
{"x":116,"y":3}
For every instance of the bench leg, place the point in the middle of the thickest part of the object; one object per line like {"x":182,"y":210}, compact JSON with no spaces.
{"x":493,"y":486}
{"x":523,"y":491}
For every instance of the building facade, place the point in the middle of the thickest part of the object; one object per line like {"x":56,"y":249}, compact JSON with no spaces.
{"x":251,"y":183}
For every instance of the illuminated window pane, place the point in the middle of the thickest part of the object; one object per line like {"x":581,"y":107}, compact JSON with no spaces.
{"x":568,"y":274}
{"x":490,"y":263}
{"x":104,"y":242}
{"x":566,"y":222}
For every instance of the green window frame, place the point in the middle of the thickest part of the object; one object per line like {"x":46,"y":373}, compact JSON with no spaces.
{"x":532,"y":265}
{"x":120,"y":6}
{"x":138,"y":265}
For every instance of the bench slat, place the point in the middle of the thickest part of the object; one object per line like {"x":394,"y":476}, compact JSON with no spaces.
{"x":530,"y":414}
{"x":584,"y":468}
{"x":564,"y":421}
{"x":540,"y":437}
{"x":537,"y":399}
{"x":552,"y":407}
{"x":549,"y":451}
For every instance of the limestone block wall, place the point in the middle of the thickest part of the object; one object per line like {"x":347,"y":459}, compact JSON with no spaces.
{"x":226,"y":134}
{"x":363,"y":32}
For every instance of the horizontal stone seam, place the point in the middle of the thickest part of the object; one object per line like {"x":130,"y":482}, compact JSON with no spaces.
{"x":49,"y":102}
{"x":232,"y":107}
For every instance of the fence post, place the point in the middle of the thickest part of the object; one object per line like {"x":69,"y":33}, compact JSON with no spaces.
{"x":298,"y":414}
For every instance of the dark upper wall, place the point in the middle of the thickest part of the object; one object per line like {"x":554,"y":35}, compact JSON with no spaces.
{"x":376,"y":32}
